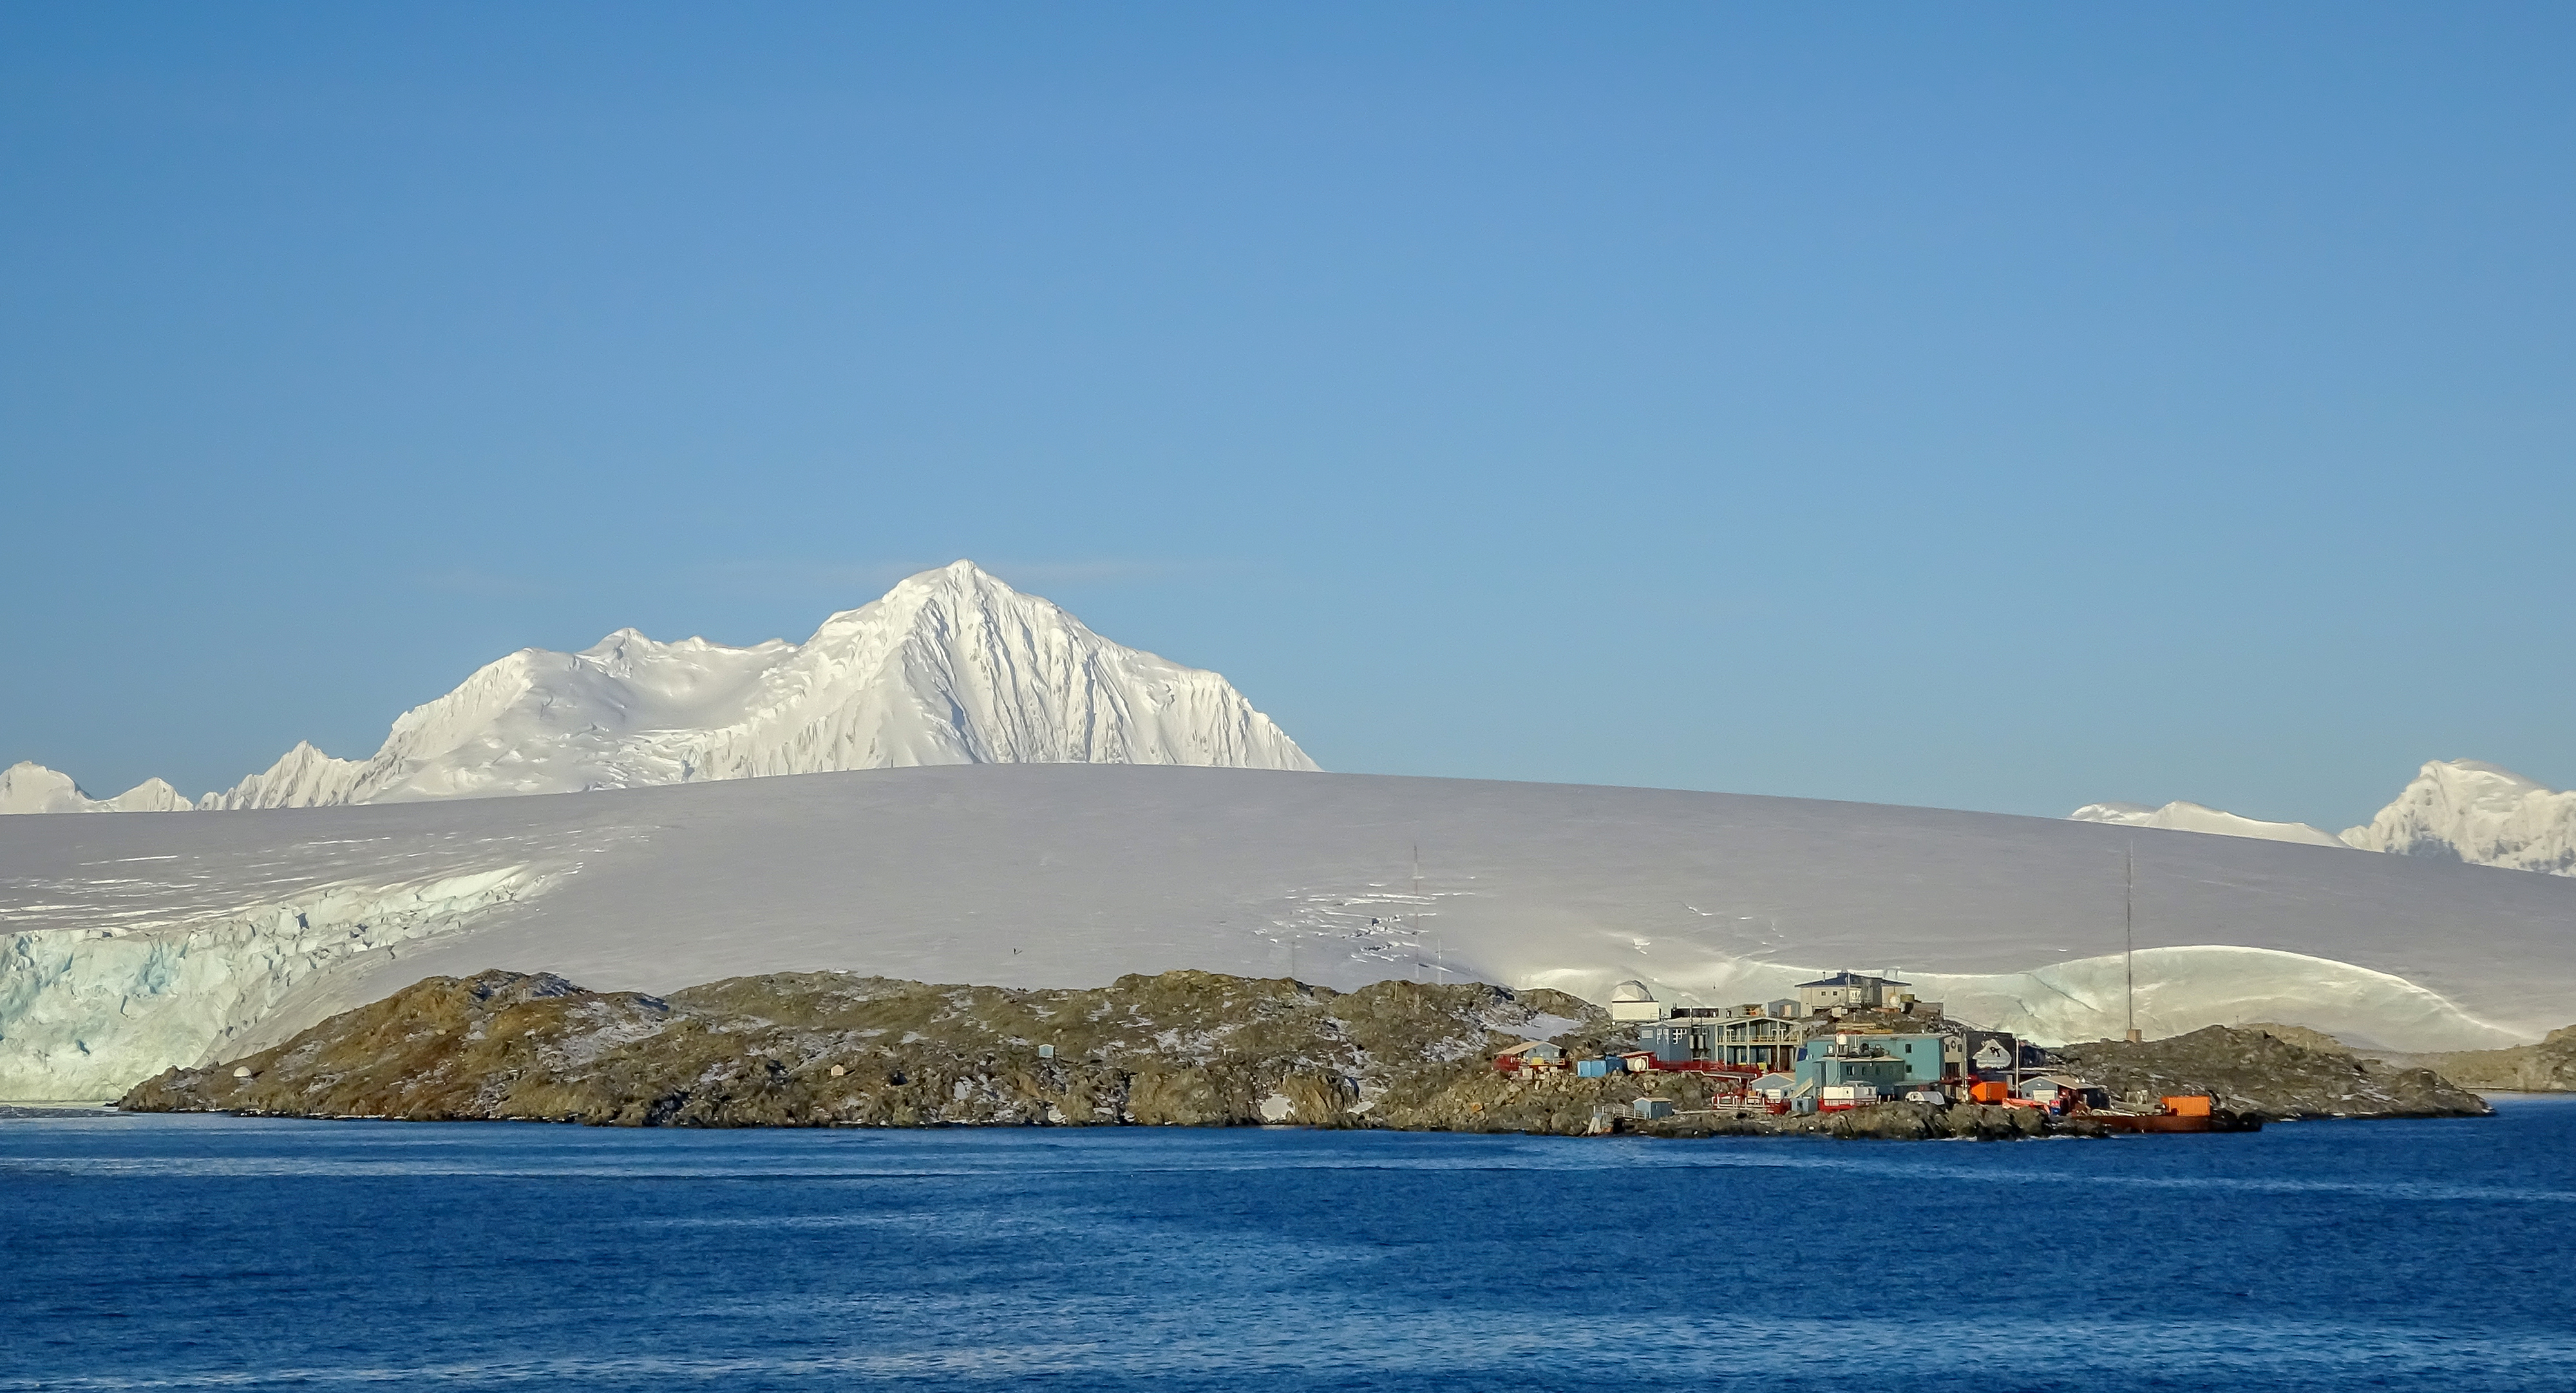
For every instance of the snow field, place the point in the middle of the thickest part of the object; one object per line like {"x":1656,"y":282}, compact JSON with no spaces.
{"x":1071,"y":875}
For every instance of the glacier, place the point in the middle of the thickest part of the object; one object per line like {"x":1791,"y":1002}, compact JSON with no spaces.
{"x":951,"y":666}
{"x":1073,"y":874}
{"x":121,"y":957}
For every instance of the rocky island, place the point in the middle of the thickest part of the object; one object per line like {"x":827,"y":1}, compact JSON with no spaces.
{"x":1178,"y":1048}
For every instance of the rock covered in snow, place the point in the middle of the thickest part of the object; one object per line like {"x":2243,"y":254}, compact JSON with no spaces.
{"x":2463,"y":810}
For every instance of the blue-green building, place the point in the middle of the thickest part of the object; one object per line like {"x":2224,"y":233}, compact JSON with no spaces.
{"x":1892,"y":1062}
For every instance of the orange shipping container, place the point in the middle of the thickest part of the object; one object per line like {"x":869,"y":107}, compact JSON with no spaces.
{"x":2192,"y":1105}
{"x":1989,"y":1092}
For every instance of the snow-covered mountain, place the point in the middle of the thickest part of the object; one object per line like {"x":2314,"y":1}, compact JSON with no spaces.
{"x":951,"y":667}
{"x":2480,"y":814}
{"x":2192,"y":817}
{"x":2457,"y":810}
{"x":29,"y":787}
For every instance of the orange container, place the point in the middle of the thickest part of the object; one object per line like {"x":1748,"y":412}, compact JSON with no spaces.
{"x":1989,"y":1092}
{"x":2188,"y":1105}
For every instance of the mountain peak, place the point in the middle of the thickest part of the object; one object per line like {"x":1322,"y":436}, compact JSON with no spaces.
{"x":29,"y":787}
{"x":2465,"y":810}
{"x":950,"y":666}
{"x":2456,"y":809}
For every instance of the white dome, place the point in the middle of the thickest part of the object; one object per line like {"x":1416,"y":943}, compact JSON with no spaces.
{"x":1631,"y":991}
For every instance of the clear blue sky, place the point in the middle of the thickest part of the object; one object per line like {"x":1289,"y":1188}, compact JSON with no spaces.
{"x":1994,"y":407}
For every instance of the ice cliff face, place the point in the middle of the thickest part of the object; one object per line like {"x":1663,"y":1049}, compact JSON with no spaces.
{"x":2464,"y":810}
{"x":2456,"y":810}
{"x":951,"y":667}
{"x":28,"y":787}
{"x":2192,"y":817}
{"x":85,"y":1010}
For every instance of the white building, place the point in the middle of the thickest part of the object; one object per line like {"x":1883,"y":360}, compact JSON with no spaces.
{"x":1631,"y":1002}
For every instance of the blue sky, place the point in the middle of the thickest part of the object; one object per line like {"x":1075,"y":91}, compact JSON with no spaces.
{"x":1985,"y":407}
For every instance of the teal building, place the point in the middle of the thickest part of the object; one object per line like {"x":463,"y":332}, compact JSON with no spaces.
{"x":1892,"y":1062}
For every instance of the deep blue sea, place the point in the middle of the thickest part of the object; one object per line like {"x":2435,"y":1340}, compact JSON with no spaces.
{"x":195,"y":1252}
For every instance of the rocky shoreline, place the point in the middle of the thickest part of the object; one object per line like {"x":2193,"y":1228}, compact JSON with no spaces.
{"x":2548,"y":1067}
{"x":1181,"y":1048}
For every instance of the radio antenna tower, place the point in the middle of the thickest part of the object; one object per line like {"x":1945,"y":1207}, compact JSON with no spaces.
{"x":2129,"y":932}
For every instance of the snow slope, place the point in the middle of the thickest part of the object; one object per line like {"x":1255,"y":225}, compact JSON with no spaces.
{"x":2478,"y":813}
{"x":951,"y":667}
{"x":2455,"y":810}
{"x":2192,"y":817}
{"x":1074,"y":874}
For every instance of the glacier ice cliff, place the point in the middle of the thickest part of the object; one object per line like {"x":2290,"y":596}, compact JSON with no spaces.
{"x":84,"y":1011}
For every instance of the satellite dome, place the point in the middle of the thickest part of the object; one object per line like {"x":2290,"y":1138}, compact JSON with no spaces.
{"x":1631,"y":991}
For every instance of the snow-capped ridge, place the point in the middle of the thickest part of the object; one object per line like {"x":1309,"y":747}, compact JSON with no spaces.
{"x":29,"y":787}
{"x":2456,"y":809}
{"x":303,"y":777}
{"x":951,"y":666}
{"x":2193,"y":817}
{"x":2465,"y":810}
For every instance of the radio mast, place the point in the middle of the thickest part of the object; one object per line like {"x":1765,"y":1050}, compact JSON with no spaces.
{"x":2129,"y":932}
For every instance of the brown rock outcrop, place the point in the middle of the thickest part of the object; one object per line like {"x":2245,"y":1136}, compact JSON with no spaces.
{"x":2260,"y":1075}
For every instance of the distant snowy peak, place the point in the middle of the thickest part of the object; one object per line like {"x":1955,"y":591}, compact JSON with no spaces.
{"x":2478,"y":813}
{"x":2458,"y":810}
{"x":29,"y":787}
{"x":2192,"y":817}
{"x":951,"y":667}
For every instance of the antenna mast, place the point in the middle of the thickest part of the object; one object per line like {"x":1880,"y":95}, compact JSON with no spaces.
{"x":1417,"y":911}
{"x":2129,"y":931}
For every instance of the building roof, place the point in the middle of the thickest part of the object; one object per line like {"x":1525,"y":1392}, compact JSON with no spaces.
{"x":1852,"y":979}
{"x":1532,"y":1047}
{"x":1631,"y":991}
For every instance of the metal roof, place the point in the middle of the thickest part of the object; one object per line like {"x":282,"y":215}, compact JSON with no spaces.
{"x":1852,"y":979}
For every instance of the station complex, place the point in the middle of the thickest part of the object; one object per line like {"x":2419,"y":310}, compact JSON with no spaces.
{"x":1844,"y":1041}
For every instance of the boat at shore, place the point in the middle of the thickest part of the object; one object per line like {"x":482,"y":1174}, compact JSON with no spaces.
{"x":2181,"y":1113}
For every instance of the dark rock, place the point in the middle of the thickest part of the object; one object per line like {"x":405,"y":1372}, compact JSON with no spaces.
{"x":2259,"y":1075}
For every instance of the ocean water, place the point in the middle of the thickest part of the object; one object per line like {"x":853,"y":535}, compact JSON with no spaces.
{"x":194,"y":1252}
